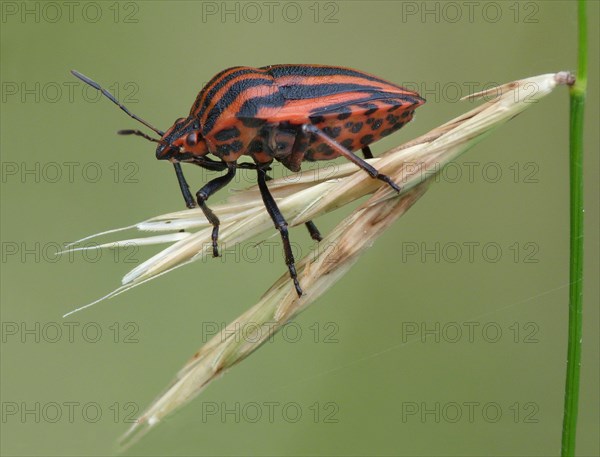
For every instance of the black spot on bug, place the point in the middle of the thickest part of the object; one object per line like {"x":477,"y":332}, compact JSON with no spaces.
{"x":356,"y":127}
{"x":325,"y":149}
{"x":224,"y":149}
{"x":370,"y":120}
{"x":302,"y":145}
{"x":227,"y":134}
{"x":332,"y":132}
{"x":377,"y":124}
{"x":286,"y":125}
{"x":387,"y":132}
{"x":347,"y":143}
{"x":348,"y":124}
{"x":405,"y":114}
{"x":237,"y":146}
{"x":394,"y":108}
{"x":398,"y":125}
{"x":370,"y":107}
{"x":392,"y":119}
{"x":344,"y":114}
{"x":367,"y":139}
{"x":255,"y":146}
{"x":252,"y":122}
{"x":317,"y":119}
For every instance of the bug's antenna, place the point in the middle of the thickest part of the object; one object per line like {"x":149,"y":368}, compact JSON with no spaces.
{"x":110,"y":96}
{"x":140,"y":133}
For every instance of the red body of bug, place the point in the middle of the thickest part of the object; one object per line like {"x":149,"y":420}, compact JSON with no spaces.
{"x":288,"y":113}
{"x":260,"y":112}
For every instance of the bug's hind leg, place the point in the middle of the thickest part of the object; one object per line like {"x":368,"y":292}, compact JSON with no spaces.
{"x":314,"y":232}
{"x":207,"y":190}
{"x":309,"y":128}
{"x":280,"y":224}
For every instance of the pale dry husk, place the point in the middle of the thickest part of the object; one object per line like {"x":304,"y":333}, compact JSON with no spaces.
{"x":303,"y":198}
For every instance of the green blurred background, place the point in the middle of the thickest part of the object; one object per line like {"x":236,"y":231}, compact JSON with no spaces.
{"x":354,"y":365}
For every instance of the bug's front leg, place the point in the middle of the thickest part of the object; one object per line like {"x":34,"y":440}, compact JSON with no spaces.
{"x":311,"y":129}
{"x":183,"y":185}
{"x":281,"y":225}
{"x":207,"y":190}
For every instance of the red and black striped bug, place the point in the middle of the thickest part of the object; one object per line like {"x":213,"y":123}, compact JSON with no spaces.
{"x":288,"y":113}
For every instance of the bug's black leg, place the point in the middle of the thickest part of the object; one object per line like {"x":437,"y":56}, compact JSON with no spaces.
{"x":183,"y":185}
{"x":281,"y":225}
{"x":209,"y":164}
{"x":254,"y":166}
{"x":214,"y":165}
{"x":202,"y":195}
{"x":367,"y":152}
{"x":313,"y":231}
{"x":309,"y":128}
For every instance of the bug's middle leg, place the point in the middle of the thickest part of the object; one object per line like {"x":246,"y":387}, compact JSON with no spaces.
{"x":206,"y":191}
{"x":313,"y":231}
{"x":281,"y":225}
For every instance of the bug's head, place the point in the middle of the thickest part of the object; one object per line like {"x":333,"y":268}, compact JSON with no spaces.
{"x":182,"y":141}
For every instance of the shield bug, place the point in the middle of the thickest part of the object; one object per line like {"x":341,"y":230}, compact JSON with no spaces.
{"x":287,"y":113}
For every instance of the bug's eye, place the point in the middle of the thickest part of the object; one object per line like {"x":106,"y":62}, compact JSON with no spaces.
{"x":192,"y":139}
{"x":281,"y":146}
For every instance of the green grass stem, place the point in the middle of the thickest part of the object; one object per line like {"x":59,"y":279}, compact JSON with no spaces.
{"x":577,"y":104}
